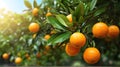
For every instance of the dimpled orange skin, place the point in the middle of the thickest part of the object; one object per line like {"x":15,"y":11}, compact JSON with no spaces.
{"x":34,"y":27}
{"x":77,"y":39}
{"x":35,"y":12}
{"x":100,"y":30}
{"x":113,"y":31}
{"x":69,"y":17}
{"x":71,"y":50}
{"x":91,"y":55}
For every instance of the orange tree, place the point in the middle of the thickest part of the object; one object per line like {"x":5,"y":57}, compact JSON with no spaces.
{"x":62,"y":32}
{"x":66,"y":17}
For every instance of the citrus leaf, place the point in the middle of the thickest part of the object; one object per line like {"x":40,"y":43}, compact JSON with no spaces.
{"x":59,"y":37}
{"x":81,"y":19}
{"x":92,"y":4}
{"x":55,"y":23}
{"x":79,"y":11}
{"x":35,"y":4}
{"x":27,"y":4}
{"x":100,"y":11}
{"x":52,"y":37}
{"x":61,"y":19}
{"x":62,"y":37}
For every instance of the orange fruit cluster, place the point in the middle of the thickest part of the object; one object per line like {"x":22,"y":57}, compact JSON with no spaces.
{"x":91,"y":55}
{"x":102,"y":30}
{"x":77,"y":40}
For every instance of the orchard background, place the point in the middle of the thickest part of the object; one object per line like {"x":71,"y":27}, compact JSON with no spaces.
{"x":44,"y":43}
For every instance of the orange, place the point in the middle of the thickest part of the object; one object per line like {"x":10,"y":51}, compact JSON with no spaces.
{"x":100,"y":30}
{"x":71,"y":50}
{"x":34,"y":27}
{"x":78,"y":39}
{"x":47,"y":36}
{"x":69,"y":17}
{"x":35,"y":12}
{"x":91,"y":55}
{"x":38,"y":55}
{"x":18,"y":60}
{"x":113,"y":31}
{"x":5,"y":56}
{"x":48,"y":14}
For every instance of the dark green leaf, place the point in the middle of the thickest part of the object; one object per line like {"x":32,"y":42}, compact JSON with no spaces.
{"x":35,"y":4}
{"x":81,"y":5}
{"x":59,"y":37}
{"x":79,"y":11}
{"x":62,"y":37}
{"x":27,"y":4}
{"x":92,"y":4}
{"x":52,"y":37}
{"x":100,"y":11}
{"x":81,"y":19}
{"x":55,"y":23}
{"x":63,"y":20}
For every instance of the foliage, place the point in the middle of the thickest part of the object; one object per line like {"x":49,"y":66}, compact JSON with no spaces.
{"x":17,"y":40}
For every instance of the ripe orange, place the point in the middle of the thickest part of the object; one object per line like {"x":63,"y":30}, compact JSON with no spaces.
{"x":78,"y":39}
{"x":35,"y":12}
{"x":91,"y":55}
{"x":71,"y":50}
{"x":69,"y":17}
{"x":38,"y":55}
{"x":18,"y":60}
{"x":34,"y":27}
{"x":100,"y":30}
{"x":113,"y":31}
{"x":48,"y":14}
{"x":47,"y":36}
{"x":5,"y":56}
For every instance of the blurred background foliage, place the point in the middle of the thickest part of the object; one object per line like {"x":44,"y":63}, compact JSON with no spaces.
{"x":16,"y":39}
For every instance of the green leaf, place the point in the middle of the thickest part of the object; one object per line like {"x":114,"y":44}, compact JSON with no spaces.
{"x":52,"y":37}
{"x":59,"y":37}
{"x":92,"y":4}
{"x":86,"y":9}
{"x":55,"y":23}
{"x":100,"y":11}
{"x":35,"y":4}
{"x":61,"y":19}
{"x":81,"y":5}
{"x":27,"y":4}
{"x":81,"y":19}
{"x":79,"y":11}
